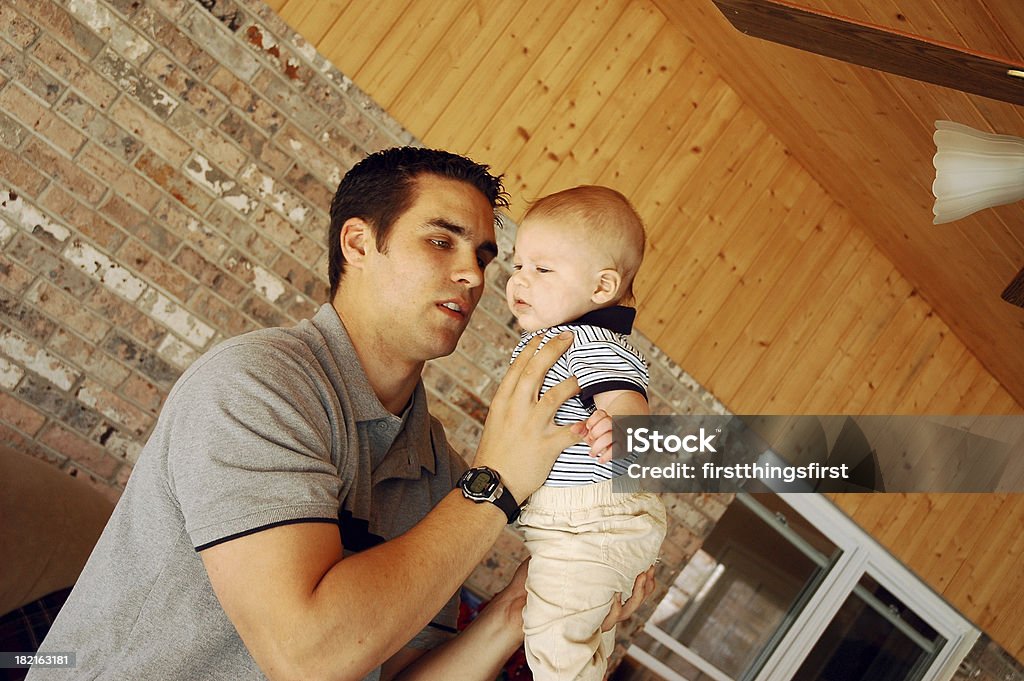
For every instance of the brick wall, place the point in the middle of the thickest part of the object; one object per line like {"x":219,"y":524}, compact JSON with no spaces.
{"x":165,"y":171}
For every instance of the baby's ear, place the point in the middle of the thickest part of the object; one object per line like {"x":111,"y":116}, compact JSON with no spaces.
{"x":608,"y":283}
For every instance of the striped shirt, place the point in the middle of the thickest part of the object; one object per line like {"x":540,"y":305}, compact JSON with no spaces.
{"x":602,"y":360}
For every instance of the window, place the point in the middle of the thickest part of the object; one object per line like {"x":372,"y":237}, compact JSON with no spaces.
{"x":787,"y":587}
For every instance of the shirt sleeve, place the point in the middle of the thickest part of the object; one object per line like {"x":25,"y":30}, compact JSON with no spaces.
{"x":249,"y":445}
{"x":605,"y":364}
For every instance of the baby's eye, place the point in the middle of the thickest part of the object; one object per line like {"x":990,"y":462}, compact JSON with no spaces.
{"x":543,"y":270}
{"x":517,"y":267}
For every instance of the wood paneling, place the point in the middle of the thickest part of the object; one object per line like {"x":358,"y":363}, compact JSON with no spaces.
{"x":792,"y":266}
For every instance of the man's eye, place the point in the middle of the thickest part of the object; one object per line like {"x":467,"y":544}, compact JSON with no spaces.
{"x":441,"y":243}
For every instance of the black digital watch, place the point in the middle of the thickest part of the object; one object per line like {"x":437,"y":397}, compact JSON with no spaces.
{"x":484,"y":484}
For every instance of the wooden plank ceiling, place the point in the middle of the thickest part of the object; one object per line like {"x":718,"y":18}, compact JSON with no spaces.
{"x":792,"y":263}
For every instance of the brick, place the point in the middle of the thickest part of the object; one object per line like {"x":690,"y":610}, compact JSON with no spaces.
{"x":16,"y":172}
{"x":114,"y":31}
{"x":103,"y":269}
{"x":119,"y":444}
{"x":285,"y":235}
{"x":340,"y":109}
{"x":70,"y":68}
{"x":310,"y":155}
{"x":215,"y":146}
{"x":300,"y":277}
{"x":115,"y":408}
{"x":85,"y":355}
{"x":132,"y":81}
{"x":46,"y":396}
{"x":263,"y":312}
{"x":112,"y":308}
{"x":16,"y":28}
{"x":87,"y":118}
{"x":339,"y":146}
{"x":67,"y":309}
{"x":145,"y":262}
{"x":209,"y":274}
{"x":25,"y":318}
{"x":139,"y":122}
{"x":13,"y":276}
{"x":143,"y":393}
{"x":22,"y":214}
{"x":18,"y":102}
{"x":141,"y":359}
{"x":207,"y":31}
{"x":177,"y":352}
{"x":178,"y":82}
{"x":20,"y":415}
{"x":224,"y":317}
{"x":316,"y":193}
{"x":29,"y":75}
{"x":139,"y":225}
{"x":226,"y":12}
{"x":173,"y":182}
{"x":11,"y":132}
{"x":10,"y":373}
{"x":176,"y":318}
{"x":41,"y":260}
{"x":87,"y":222}
{"x":190,"y":229}
{"x":291,"y":104}
{"x":80,"y":450}
{"x":65,"y":28}
{"x":183,"y":48}
{"x":63,"y":171}
{"x":281,"y":58}
{"x":36,"y":359}
{"x":238,"y":94}
{"x":276,"y":195}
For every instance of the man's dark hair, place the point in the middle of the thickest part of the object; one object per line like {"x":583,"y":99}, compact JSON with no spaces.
{"x":382,"y":186}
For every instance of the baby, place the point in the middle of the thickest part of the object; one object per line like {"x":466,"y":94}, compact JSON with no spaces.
{"x":576,"y":254}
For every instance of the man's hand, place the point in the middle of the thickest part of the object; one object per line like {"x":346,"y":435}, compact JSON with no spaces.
{"x":520,"y":439}
{"x":643,"y":587}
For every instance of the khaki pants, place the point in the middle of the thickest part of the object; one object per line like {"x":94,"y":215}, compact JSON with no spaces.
{"x":586,"y":543}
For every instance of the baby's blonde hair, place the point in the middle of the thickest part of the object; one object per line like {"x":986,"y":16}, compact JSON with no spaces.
{"x":608,"y":221}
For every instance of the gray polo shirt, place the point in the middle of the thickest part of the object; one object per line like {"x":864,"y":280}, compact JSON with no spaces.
{"x":275,"y":426}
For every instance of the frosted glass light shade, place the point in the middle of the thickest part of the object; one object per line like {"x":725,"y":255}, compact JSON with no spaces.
{"x":974,"y":170}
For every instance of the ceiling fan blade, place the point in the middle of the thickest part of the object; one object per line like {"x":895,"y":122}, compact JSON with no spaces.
{"x":876,"y":47}
{"x":1014,"y":293}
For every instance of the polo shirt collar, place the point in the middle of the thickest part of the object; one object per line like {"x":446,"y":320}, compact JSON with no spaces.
{"x":405,"y":458}
{"x":617,"y":318}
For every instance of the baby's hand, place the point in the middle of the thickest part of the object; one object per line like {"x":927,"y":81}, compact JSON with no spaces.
{"x":599,"y":435}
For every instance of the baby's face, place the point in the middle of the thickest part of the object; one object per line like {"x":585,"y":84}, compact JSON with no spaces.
{"x":555,"y":275}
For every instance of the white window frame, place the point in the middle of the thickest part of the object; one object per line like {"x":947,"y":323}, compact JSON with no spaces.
{"x":861,"y":555}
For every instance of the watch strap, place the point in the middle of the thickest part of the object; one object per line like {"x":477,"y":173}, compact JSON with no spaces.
{"x":506,"y":503}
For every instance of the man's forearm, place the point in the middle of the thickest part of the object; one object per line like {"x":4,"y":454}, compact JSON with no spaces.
{"x":371,"y":604}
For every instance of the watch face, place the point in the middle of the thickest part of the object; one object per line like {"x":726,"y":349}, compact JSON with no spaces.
{"x":480,"y":482}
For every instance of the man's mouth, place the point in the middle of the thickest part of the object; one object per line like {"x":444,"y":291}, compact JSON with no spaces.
{"x":453,"y":307}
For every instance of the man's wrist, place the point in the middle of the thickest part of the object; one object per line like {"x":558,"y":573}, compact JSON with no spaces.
{"x":483,"y":484}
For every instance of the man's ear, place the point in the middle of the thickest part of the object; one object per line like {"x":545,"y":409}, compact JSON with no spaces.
{"x":608,"y":283}
{"x":355,"y":234}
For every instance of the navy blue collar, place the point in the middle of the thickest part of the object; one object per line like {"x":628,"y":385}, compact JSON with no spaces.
{"x":617,"y":318}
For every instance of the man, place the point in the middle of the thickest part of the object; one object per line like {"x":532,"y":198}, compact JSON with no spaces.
{"x":224,"y":557}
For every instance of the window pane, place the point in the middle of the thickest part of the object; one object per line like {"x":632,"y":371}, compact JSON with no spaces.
{"x":738,"y":595}
{"x":873,"y":637}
